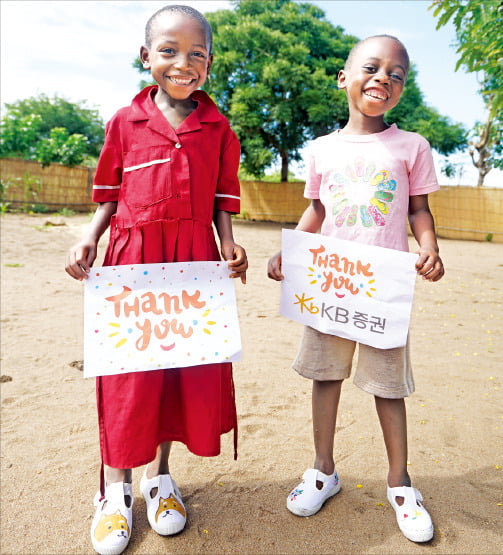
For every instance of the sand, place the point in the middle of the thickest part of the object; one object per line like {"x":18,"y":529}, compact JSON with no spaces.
{"x":49,"y":442}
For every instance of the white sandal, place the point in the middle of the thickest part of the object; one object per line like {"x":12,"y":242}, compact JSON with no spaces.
{"x":306,"y":499}
{"x":113,"y":520}
{"x":165,"y":510}
{"x":413,"y":519}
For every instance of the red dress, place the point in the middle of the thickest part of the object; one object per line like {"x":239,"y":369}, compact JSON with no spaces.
{"x":167,"y":183}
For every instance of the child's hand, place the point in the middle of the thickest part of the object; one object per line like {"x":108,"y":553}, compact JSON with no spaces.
{"x":80,"y":258}
{"x":237,"y":260}
{"x":429,"y":264}
{"x":274,"y":267}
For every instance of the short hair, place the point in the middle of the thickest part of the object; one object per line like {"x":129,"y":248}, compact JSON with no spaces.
{"x":183,"y":10}
{"x":357,"y":46}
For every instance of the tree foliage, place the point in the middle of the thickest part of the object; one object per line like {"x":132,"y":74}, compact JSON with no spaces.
{"x":275,"y":77}
{"x":61,"y":147}
{"x":50,"y":130}
{"x":479,"y":25}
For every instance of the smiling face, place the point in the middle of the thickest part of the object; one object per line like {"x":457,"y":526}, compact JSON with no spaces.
{"x":179,"y":56}
{"x":374,"y":77}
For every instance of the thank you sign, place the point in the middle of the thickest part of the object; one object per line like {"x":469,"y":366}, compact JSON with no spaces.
{"x":151,"y":316}
{"x":343,"y":288}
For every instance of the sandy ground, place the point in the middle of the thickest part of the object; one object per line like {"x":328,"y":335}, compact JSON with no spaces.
{"x":49,"y":443}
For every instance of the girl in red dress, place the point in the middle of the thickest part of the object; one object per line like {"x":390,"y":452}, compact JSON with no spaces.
{"x":167,"y":171}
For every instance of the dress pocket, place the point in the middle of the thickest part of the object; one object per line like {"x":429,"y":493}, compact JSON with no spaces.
{"x":147,"y":176}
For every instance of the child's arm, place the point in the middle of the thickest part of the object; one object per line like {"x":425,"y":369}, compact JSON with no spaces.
{"x":311,"y":222}
{"x":81,"y":256}
{"x":231,"y":251}
{"x":429,"y":264}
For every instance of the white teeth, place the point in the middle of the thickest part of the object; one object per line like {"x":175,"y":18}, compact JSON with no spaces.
{"x":376,"y":94}
{"x":178,"y":81}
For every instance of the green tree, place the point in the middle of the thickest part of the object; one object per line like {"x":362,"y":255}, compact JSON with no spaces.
{"x":486,"y":146}
{"x":29,"y":122}
{"x":478,"y":25}
{"x":275,"y":77}
{"x":19,"y":135}
{"x":60,"y":146}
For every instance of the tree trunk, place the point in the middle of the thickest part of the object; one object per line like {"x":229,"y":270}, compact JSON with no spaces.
{"x":483,"y":150}
{"x":284,"y":166}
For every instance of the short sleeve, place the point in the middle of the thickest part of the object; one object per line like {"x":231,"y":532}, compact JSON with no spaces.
{"x":313,"y":178}
{"x":108,"y":175}
{"x":422,"y":176}
{"x":227,"y":195}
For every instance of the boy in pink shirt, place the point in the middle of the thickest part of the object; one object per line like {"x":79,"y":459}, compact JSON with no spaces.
{"x":363,"y":181}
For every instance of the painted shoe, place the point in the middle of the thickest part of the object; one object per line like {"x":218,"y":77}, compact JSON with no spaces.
{"x":165,"y":510}
{"x":413,"y":519}
{"x":306,"y":499}
{"x":113,"y":520}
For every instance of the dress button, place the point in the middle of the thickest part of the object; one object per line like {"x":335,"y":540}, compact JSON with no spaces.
{"x":178,"y":145}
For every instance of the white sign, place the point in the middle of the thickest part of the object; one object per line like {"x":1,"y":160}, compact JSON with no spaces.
{"x":151,"y":316}
{"x":349,"y":289}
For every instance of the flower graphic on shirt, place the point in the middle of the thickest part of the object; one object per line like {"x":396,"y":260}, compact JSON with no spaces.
{"x":344,"y":188}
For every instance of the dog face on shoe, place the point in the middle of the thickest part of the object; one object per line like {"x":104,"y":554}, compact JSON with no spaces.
{"x":111,"y":524}
{"x":167,"y":504}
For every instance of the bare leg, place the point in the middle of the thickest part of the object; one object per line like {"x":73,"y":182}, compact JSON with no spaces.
{"x":160,"y":465}
{"x":113,"y":475}
{"x":326,"y":395}
{"x":393,"y":419}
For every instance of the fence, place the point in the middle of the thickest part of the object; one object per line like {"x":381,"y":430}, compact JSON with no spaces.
{"x":472,"y":213}
{"x":25,"y":182}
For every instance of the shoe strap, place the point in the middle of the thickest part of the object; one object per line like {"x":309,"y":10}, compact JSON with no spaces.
{"x":312,"y":475}
{"x":164,"y":484}
{"x":410,"y":495}
{"x":114,"y":496}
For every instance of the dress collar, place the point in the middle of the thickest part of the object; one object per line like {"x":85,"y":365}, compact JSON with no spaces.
{"x":143,"y":108}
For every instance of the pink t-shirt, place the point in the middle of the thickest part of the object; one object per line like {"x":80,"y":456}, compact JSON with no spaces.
{"x":365,"y":181}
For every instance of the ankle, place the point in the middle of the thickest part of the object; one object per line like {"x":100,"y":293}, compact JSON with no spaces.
{"x":397,"y":479}
{"x":153,"y":470}
{"x":326,"y":466}
{"x":114,"y":475}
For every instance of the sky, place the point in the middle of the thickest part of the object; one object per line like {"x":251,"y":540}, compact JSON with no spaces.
{"x":82,"y":50}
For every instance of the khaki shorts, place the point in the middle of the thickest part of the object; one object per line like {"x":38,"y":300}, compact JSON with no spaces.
{"x":383,"y":372}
